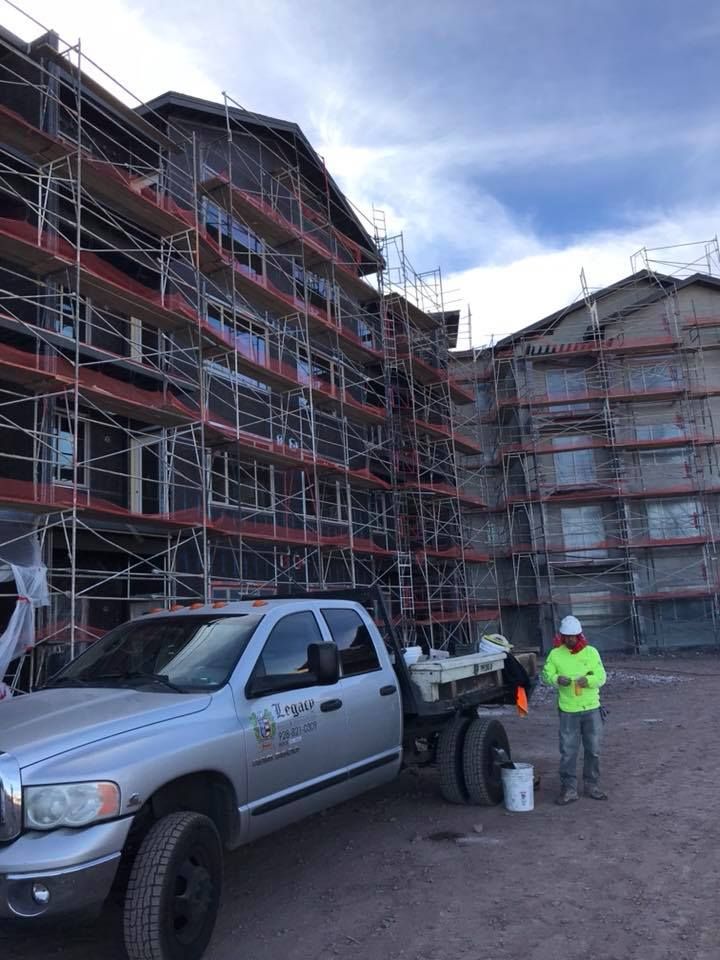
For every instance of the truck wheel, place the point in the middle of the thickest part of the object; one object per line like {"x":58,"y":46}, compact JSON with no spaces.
{"x":173,"y":893}
{"x":450,"y":760}
{"x":481,"y":769}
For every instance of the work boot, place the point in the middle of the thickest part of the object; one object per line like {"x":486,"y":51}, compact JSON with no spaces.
{"x":568,"y":795}
{"x":595,"y":793}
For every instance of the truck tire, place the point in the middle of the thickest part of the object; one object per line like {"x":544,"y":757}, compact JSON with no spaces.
{"x":450,"y":760}
{"x":173,"y":893}
{"x":481,"y":771}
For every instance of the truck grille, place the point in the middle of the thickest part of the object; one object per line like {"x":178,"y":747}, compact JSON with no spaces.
{"x":10,"y":798}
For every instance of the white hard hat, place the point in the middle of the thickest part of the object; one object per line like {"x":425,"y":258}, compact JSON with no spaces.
{"x":570,"y":626}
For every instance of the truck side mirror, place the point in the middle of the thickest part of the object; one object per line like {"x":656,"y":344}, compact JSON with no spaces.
{"x":324,"y":662}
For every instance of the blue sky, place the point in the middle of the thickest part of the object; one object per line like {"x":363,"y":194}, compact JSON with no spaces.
{"x":514,"y":142}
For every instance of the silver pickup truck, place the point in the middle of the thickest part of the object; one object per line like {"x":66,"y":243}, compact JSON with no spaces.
{"x":189,"y":732}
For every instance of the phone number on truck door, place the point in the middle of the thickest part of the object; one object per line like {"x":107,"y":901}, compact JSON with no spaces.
{"x":291,"y":734}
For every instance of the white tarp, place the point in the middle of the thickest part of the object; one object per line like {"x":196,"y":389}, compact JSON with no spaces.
{"x":20,"y":559}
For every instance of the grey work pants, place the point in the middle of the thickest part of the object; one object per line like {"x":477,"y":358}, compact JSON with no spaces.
{"x":574,"y":727}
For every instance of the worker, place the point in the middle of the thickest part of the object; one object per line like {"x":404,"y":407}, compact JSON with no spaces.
{"x":576,"y":671}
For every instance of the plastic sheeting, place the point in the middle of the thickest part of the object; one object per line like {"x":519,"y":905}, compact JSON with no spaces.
{"x":21,"y":561}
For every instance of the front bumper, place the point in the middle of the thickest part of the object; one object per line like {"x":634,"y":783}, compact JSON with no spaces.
{"x":65,"y":892}
{"x":72,"y":870}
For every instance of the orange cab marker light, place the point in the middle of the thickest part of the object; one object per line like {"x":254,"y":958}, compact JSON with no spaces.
{"x":176,"y":606}
{"x":196,"y":606}
{"x":155,"y":610}
{"x":259,"y":603}
{"x":220,"y":603}
{"x":109,"y":800}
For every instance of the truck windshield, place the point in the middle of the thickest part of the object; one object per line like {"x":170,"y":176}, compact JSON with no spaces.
{"x":181,"y":653}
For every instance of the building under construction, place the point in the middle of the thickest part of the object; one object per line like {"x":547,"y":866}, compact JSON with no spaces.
{"x":216,"y":380}
{"x":602,"y":461}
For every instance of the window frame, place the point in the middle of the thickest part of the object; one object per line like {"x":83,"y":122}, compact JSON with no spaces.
{"x":365,"y":332}
{"x":338,"y":502}
{"x":83,"y":333}
{"x":574,"y":461}
{"x":253,"y":677}
{"x":245,"y":481}
{"x":593,"y":605}
{"x":139,"y":443}
{"x":240,"y":326}
{"x":310,"y":285}
{"x":235,"y":378}
{"x":234,"y":238}
{"x":135,"y":338}
{"x":217,"y":498}
{"x":254,"y":336}
{"x":664,"y":457}
{"x":376,"y":437}
{"x":380,"y":509}
{"x":671,"y":603}
{"x":324,"y":611}
{"x":567,"y":399}
{"x":660,"y":526}
{"x":83,"y":466}
{"x":658,"y":432}
{"x":565,"y":394}
{"x":642,"y":373}
{"x":314,"y":368}
{"x":566,"y":514}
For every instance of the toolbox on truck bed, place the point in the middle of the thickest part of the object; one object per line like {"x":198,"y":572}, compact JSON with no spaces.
{"x":445,"y":679}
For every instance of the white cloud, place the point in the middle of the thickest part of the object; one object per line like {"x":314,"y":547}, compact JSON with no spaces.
{"x":508,"y":296}
{"x":424,"y":195}
{"x":146,"y":57}
{"x":519,"y":278}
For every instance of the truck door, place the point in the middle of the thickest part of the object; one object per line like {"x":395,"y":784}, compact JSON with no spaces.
{"x":293,"y":735}
{"x":371,"y":697}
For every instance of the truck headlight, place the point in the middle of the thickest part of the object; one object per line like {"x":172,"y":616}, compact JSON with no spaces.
{"x":70,"y":804}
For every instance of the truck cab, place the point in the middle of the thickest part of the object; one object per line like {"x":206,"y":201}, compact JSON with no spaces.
{"x":194,"y":730}
{"x":250,"y":715}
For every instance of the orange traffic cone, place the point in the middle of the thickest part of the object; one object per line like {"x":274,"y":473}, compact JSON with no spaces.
{"x":521,"y":702}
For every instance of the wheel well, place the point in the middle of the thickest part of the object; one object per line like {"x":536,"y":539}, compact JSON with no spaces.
{"x":205,"y":792}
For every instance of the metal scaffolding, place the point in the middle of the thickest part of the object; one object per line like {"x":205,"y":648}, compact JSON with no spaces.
{"x":604,"y":479}
{"x":216,"y":379}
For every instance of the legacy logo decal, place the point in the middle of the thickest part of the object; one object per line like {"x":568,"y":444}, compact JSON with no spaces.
{"x":263,"y":727}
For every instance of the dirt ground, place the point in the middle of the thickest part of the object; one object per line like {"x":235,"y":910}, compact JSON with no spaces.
{"x":635,"y":878}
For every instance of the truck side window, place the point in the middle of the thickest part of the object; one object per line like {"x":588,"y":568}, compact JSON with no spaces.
{"x":357,"y":650}
{"x":285,"y":651}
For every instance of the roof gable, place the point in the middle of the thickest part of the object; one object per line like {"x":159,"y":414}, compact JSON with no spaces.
{"x":345,"y":218}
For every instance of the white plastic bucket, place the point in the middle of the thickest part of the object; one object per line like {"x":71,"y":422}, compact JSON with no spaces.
{"x":518,"y":787}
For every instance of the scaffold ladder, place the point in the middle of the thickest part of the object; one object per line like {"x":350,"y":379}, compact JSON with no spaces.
{"x":405,"y":581}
